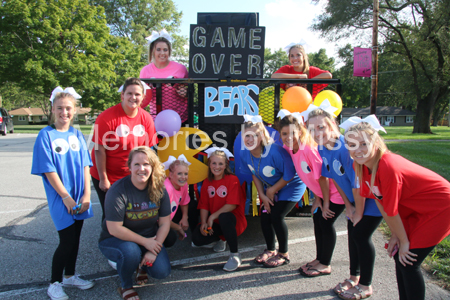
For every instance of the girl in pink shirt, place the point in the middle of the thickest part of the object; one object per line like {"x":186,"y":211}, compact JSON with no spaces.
{"x":301,"y":146}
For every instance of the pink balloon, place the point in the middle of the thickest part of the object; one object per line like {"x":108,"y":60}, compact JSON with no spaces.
{"x":167,"y":122}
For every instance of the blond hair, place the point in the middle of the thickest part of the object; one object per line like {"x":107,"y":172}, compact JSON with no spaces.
{"x":266,"y":139}
{"x":375,"y":140}
{"x":63,"y":95}
{"x":222,"y":154}
{"x":305,"y":136}
{"x":305,"y":57}
{"x":329,"y":120}
{"x":177,"y":163}
{"x":155,"y":183}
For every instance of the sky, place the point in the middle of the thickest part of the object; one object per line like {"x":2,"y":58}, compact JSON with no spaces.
{"x":286,"y":21}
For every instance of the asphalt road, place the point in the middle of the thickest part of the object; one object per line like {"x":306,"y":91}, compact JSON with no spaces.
{"x":28,"y":239}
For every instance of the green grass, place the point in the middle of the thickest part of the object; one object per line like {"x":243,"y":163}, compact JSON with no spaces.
{"x":405,"y":133}
{"x":434,"y":156}
{"x":85,"y":129}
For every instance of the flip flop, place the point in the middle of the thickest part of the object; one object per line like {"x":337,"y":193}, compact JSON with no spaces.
{"x":319,"y":273}
{"x":340,"y":288}
{"x":357,"y":296}
{"x":127,"y":293}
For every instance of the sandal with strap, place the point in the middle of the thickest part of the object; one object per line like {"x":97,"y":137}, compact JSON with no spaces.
{"x":263,"y":257}
{"x":128,"y":293}
{"x":141,"y":277}
{"x":347,"y":295}
{"x":343,"y":286}
{"x":277,"y":260}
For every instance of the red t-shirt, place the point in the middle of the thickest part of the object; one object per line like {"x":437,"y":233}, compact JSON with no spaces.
{"x":313,"y":72}
{"x":420,"y":196}
{"x":119,"y":134}
{"x":215,"y":194}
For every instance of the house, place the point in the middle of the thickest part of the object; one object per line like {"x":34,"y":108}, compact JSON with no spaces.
{"x":35,"y":115}
{"x":387,"y":115}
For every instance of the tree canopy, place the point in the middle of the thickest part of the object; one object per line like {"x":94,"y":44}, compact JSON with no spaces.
{"x":414,"y":32}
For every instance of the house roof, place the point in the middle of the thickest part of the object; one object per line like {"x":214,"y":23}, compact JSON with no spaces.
{"x":381,"y":111}
{"x":36,"y":111}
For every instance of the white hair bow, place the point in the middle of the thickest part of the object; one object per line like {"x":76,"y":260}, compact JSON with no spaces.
{"x":68,"y":90}
{"x":371,"y":119}
{"x":325,"y":106}
{"x":288,"y":47}
{"x":284,"y":112}
{"x":212,"y":149}
{"x":172,"y":159}
{"x":146,"y":87}
{"x":156,"y":35}
{"x":253,"y":119}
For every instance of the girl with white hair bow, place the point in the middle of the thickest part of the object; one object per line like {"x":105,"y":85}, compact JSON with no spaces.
{"x":299,"y":68}
{"x":174,"y":97}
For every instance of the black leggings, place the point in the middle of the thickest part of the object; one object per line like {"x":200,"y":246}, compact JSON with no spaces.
{"x":325,"y":233}
{"x":65,"y":256}
{"x":361,"y":249}
{"x":101,"y":195}
{"x":273,"y":224}
{"x":172,"y":236}
{"x":411,"y":285}
{"x":226,"y":227}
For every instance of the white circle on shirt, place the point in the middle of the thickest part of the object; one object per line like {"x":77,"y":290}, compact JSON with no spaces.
{"x":74,"y":143}
{"x":123,"y":130}
{"x":269,"y":171}
{"x":60,"y":146}
{"x":222,"y":191}
{"x":338,"y":168}
{"x":305,"y":168}
{"x":139,"y":130}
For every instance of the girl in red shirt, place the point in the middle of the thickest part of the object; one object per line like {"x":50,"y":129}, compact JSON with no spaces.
{"x":221,"y":206}
{"x":300,"y":69}
{"x":414,"y":201}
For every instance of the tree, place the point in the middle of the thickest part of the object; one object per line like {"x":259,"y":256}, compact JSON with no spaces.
{"x":46,"y":44}
{"x":322,"y":61}
{"x":274,"y":61}
{"x":414,"y":31}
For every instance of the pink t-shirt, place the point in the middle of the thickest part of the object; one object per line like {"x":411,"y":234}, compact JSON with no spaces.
{"x":170,"y":97}
{"x":177,"y":198}
{"x":308,"y":165}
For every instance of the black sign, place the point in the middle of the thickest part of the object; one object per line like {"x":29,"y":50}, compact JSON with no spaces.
{"x":222,"y":52}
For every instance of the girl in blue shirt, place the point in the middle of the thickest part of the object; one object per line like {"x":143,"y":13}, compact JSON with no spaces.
{"x":61,"y":157}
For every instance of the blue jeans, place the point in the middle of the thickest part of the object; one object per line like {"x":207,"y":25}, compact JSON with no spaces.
{"x":128,"y":256}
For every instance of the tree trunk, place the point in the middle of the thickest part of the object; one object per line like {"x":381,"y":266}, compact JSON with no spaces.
{"x":423,"y":114}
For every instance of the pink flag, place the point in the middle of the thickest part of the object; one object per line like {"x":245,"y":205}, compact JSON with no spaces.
{"x":362,"y":62}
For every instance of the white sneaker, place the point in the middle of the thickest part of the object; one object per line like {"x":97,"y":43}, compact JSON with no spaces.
{"x":55,"y":291}
{"x":112,"y":264}
{"x":77,"y":282}
{"x":234,"y":261}
{"x":208,"y":246}
{"x":220,"y":246}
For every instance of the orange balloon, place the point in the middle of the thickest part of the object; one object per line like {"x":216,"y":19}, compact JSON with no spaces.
{"x":296,"y":99}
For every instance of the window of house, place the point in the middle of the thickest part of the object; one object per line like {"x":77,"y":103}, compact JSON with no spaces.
{"x":390,"y":119}
{"x":76,"y":118}
{"x":22,"y":118}
{"x":409,"y":119}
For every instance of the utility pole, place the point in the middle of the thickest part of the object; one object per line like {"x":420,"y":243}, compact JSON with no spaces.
{"x":374,"y":77}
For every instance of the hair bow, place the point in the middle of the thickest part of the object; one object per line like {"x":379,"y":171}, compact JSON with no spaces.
{"x":156,"y":35}
{"x":212,"y":149}
{"x":253,"y":119}
{"x":325,"y":106}
{"x":172,"y":159}
{"x":146,"y":87}
{"x":284,"y":112}
{"x":68,"y":90}
{"x":371,"y":119}
{"x":288,"y":47}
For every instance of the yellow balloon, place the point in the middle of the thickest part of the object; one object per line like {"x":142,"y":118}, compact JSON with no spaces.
{"x":333,"y":97}
{"x":179,"y":144}
{"x":267,"y":102}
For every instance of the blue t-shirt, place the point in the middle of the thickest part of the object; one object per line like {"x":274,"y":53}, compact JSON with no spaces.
{"x":338,"y":165}
{"x":65,"y":153}
{"x":275,"y":163}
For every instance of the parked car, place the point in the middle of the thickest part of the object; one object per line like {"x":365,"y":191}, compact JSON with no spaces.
{"x":6,"y":122}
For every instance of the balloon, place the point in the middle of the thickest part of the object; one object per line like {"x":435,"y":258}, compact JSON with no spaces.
{"x":296,"y":99}
{"x":167,"y":122}
{"x":189,"y":142}
{"x":333,"y":97}
{"x":267,"y":103}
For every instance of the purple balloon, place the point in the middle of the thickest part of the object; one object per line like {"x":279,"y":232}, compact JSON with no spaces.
{"x":167,"y":122}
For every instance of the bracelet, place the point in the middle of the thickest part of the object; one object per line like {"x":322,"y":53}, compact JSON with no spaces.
{"x":66,"y":197}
